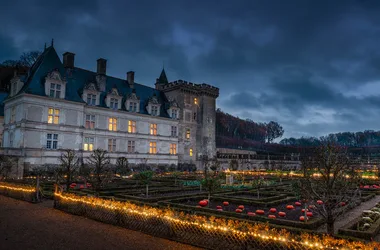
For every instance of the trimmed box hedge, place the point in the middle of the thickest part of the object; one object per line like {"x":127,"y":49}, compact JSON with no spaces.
{"x":348,"y":230}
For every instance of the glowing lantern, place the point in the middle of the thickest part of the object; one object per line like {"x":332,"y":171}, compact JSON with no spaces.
{"x":297,"y":203}
{"x":241,"y":207}
{"x":281,"y":214}
{"x":226,"y":203}
{"x":303,"y":210}
{"x":302,"y":218}
{"x":261,"y":212}
{"x":366,"y":186}
{"x":311,"y":206}
{"x":309,"y":214}
{"x":273,"y":210}
{"x":218,"y":207}
{"x":81,"y":186}
{"x":203,"y":203}
{"x":272,"y":216}
{"x":251,"y":214}
{"x":238,"y":210}
{"x":319,"y":202}
{"x":289,"y":207}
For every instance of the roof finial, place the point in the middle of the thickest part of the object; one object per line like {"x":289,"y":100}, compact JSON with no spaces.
{"x":52,"y":42}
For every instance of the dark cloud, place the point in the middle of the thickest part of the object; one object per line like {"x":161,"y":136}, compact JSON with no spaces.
{"x":307,"y":64}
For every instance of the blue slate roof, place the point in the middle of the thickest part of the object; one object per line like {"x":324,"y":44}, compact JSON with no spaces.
{"x":78,"y":78}
{"x":3,"y":95}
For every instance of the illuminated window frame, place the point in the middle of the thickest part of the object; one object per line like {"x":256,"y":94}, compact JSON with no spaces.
{"x":112,"y":124}
{"x":188,"y":133}
{"x":152,"y":147}
{"x":153,"y":129}
{"x":88,"y":144}
{"x":191,"y":152}
{"x":173,"y":149}
{"x":53,"y":116}
{"x":131,"y":126}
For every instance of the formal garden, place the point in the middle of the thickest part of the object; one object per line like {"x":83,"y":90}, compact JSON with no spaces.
{"x":212,"y":208}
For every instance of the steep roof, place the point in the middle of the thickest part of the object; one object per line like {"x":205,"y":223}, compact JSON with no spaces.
{"x":163,"y":78}
{"x":77,"y":78}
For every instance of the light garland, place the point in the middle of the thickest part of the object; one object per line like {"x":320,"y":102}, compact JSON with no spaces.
{"x":220,"y":225}
{"x":20,"y":188}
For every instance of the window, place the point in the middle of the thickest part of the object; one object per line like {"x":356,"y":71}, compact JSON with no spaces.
{"x":131,"y":147}
{"x":52,"y":141}
{"x":191,"y":152}
{"x":174,"y":130}
{"x":154,"y":110}
{"x":188,"y":133}
{"x":195,"y":101}
{"x":194,"y":116}
{"x":131,"y":126}
{"x":13,"y":114}
{"x":11,"y":135}
{"x":152,"y":148}
{"x":88,"y":144}
{"x":112,"y":124}
{"x":114,"y":103}
{"x":153,"y":129}
{"x":53,"y":116}
{"x":90,"y":121}
{"x":91,"y":99}
{"x":173,"y":149}
{"x":112,"y":145}
{"x":133,"y":106}
{"x":174,"y":114}
{"x":55,"y":90}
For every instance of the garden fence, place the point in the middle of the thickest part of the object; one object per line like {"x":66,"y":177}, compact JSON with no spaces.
{"x":174,"y":227}
{"x":19,"y":191}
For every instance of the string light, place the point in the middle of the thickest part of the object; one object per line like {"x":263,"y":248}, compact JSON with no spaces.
{"x":20,"y":188}
{"x":212,"y":224}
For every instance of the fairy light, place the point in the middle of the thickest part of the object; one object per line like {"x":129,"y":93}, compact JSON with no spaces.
{"x":18,"y":188}
{"x":198,"y":221}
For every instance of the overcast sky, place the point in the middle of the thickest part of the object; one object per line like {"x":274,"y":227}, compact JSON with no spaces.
{"x":312,"y":66}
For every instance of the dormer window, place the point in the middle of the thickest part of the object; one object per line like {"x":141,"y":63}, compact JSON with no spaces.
{"x":133,"y":106}
{"x":154,"y":110}
{"x":55,"y":90}
{"x":91,"y":99}
{"x":114,"y":103}
{"x":174,"y":113}
{"x":132,"y":103}
{"x":55,"y":85}
{"x":113,"y":99}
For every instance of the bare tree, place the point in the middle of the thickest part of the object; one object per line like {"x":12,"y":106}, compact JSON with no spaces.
{"x":27,"y":59}
{"x":122,"y":166}
{"x":330,"y":178}
{"x":69,"y":164}
{"x":99,"y":161}
{"x":6,"y":165}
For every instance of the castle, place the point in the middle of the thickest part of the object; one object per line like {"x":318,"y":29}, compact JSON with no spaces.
{"x":59,"y":106}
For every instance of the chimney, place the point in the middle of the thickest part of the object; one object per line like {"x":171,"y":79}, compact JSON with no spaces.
{"x":101,"y":66}
{"x":131,"y":78}
{"x":68,"y":60}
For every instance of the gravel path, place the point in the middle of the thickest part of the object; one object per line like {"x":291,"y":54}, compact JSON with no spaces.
{"x":352,"y":214}
{"x":38,"y":226}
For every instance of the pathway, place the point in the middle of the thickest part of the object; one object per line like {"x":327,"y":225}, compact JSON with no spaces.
{"x":352,"y":214}
{"x":39,"y":226}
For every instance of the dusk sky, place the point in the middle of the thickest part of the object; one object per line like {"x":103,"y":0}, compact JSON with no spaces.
{"x":312,"y":66}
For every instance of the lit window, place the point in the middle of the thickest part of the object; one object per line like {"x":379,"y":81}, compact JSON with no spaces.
{"x":52,"y":141}
{"x":112,"y":145}
{"x":131,"y":126}
{"x":131,"y":147}
{"x":195,"y":101}
{"x":88,"y":144}
{"x":191,"y":152}
{"x":173,"y":149}
{"x":91,"y":99}
{"x":174,"y":113}
{"x":174,"y":130}
{"x":114,"y":103}
{"x":188,"y":133}
{"x":53,"y":116}
{"x":55,"y":90}
{"x":133,"y":106}
{"x":112,"y":124}
{"x":90,"y":121}
{"x":153,"y":129}
{"x":154,"y":110}
{"x":13,"y":114}
{"x":152,"y":148}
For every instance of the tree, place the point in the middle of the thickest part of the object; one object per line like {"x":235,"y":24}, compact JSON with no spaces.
{"x":27,"y":59}
{"x":145,"y":178}
{"x":337,"y":183}
{"x":6,"y":165}
{"x":122,"y":167}
{"x":234,"y":165}
{"x":99,"y":161}
{"x":273,"y":131}
{"x":211,"y":182}
{"x":215,"y":164}
{"x":69,"y":163}
{"x":257,"y":183}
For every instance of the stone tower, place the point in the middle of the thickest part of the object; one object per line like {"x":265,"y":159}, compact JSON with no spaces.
{"x":196,"y":130}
